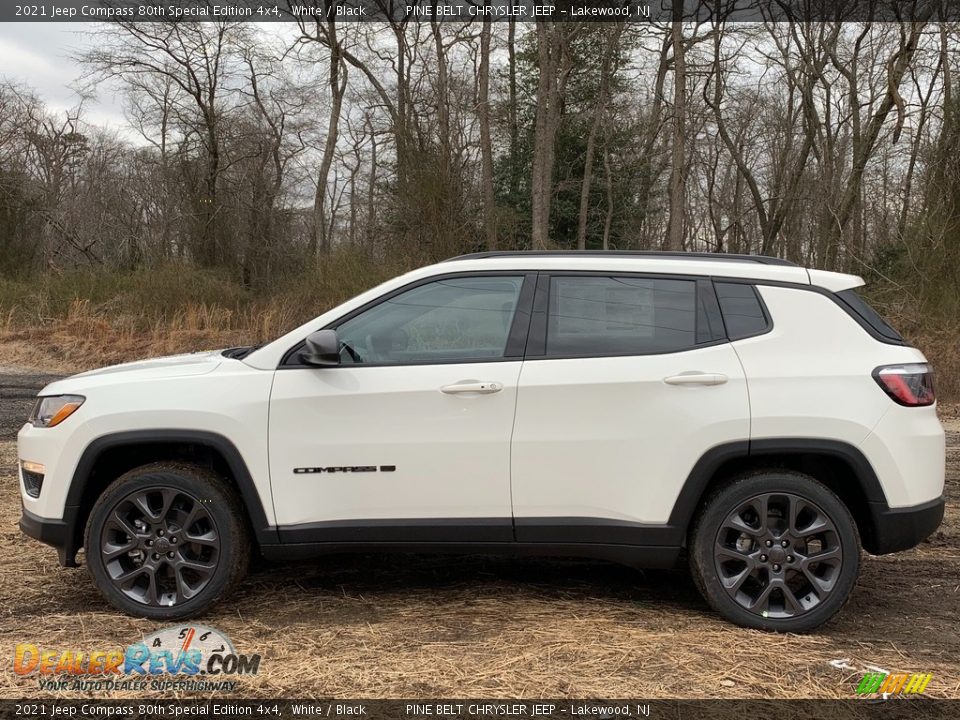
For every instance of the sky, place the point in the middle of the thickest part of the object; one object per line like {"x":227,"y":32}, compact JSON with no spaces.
{"x":38,"y":55}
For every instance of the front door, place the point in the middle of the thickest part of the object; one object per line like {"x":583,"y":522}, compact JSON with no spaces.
{"x":408,"y":439}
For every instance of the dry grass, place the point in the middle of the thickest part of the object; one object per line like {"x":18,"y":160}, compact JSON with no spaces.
{"x":420,"y":627}
{"x":91,"y":337}
{"x":87,"y":319}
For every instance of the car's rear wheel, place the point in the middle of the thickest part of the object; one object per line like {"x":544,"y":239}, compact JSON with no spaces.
{"x":775,"y":550}
{"x":166,"y":541}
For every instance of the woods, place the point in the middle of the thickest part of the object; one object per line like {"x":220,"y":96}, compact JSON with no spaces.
{"x":261,"y":152}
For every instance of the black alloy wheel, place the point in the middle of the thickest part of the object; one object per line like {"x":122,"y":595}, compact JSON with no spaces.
{"x":160,"y":546}
{"x":775,"y":550}
{"x":167,"y":540}
{"x":778,"y":555}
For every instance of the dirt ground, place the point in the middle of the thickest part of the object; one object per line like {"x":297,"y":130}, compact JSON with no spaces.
{"x":420,"y":627}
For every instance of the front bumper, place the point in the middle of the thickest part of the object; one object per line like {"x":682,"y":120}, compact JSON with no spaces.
{"x":61,"y":534}
{"x":895,"y":529}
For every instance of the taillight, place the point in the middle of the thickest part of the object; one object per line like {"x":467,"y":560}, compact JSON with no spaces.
{"x":910,"y":384}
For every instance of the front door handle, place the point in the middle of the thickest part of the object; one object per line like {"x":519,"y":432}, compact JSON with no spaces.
{"x":471,"y":386}
{"x":696,"y":378}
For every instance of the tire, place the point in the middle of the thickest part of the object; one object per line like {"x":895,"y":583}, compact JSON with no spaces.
{"x":744,"y":570}
{"x":167,"y":541}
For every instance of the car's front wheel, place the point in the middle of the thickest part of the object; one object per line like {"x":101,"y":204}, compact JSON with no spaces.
{"x":166,"y":541}
{"x":775,"y":550}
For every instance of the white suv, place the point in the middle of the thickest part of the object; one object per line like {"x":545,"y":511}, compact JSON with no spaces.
{"x":752,"y":415}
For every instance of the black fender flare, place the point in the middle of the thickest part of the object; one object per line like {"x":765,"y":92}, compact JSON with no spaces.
{"x":264,"y":533}
{"x":691,"y":495}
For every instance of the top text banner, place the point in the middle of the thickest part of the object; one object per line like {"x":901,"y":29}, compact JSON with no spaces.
{"x":464,"y":11}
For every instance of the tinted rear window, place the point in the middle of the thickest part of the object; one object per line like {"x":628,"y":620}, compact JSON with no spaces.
{"x":742,"y":310}
{"x":593,"y":316}
{"x":870,"y":316}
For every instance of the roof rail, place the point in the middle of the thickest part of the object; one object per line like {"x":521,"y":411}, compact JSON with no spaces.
{"x":724,"y":257}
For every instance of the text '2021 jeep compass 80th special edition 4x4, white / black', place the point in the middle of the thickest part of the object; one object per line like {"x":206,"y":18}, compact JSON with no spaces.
{"x":751,"y":415}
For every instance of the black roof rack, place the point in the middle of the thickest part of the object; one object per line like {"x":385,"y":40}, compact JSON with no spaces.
{"x":727,"y":257}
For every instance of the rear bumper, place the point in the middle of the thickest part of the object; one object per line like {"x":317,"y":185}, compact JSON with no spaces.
{"x":58,"y":533}
{"x":902,"y":528}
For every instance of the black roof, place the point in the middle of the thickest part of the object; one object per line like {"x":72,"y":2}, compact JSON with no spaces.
{"x":723,"y":257}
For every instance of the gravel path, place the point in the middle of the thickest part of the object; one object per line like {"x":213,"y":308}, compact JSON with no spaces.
{"x":18,"y":392}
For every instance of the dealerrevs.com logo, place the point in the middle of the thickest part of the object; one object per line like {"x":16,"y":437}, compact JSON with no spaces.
{"x":190,"y":657}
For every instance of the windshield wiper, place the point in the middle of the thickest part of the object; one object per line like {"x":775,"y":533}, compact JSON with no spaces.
{"x":238,"y":353}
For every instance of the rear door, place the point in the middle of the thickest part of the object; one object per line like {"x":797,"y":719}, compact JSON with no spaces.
{"x":628,"y":380}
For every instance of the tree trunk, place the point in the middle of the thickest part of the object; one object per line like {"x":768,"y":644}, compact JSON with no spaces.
{"x":514,"y":123}
{"x":554,"y":65}
{"x":915,"y":148}
{"x":338,"y":85}
{"x":678,"y":149}
{"x":371,"y":189}
{"x":208,"y":231}
{"x":608,"y":186}
{"x":599,"y":110}
{"x":486,"y":147}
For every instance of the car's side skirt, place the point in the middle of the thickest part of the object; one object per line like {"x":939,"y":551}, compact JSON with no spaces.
{"x":635,"y":556}
{"x":633,"y":544}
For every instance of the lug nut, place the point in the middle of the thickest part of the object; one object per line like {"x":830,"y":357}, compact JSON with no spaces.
{"x":149,"y":543}
{"x":783,"y":543}
{"x":160,"y":533}
{"x":156,"y":556}
{"x":170,"y":554}
{"x":789,"y":558}
{"x":173,"y":539}
{"x":763,"y":558}
{"x":769,"y":543}
{"x":776,"y":568}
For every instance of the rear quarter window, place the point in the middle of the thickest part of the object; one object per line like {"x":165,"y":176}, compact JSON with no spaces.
{"x":865,"y":314}
{"x":743,"y":313}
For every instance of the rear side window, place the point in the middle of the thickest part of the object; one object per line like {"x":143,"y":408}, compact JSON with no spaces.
{"x":862,"y":309}
{"x":590,"y":316}
{"x":743,"y":313}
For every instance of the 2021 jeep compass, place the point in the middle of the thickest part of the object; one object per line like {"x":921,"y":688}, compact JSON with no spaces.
{"x":756,"y":416}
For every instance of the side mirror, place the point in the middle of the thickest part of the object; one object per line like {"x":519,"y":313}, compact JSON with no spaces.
{"x":322,"y":348}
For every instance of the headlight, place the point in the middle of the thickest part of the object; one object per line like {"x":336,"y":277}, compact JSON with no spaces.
{"x":53,"y":410}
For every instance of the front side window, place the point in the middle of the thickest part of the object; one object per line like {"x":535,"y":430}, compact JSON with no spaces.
{"x":446,"y":320}
{"x":620,"y":316}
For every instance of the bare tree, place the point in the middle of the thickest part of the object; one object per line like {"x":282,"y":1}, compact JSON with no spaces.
{"x":612,"y":36}
{"x":324,"y":32}
{"x":865,"y":138}
{"x":555,"y":62}
{"x":278,"y":141}
{"x":151,"y":109}
{"x":513,"y":123}
{"x":678,"y":158}
{"x":194,"y":57}
{"x":802,"y":55}
{"x":486,"y":145}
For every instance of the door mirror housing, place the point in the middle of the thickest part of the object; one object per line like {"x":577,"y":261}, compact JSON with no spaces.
{"x":321,"y":348}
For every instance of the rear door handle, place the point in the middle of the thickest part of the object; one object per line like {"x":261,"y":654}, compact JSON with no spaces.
{"x":696,"y":378}
{"x":479,"y":388}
